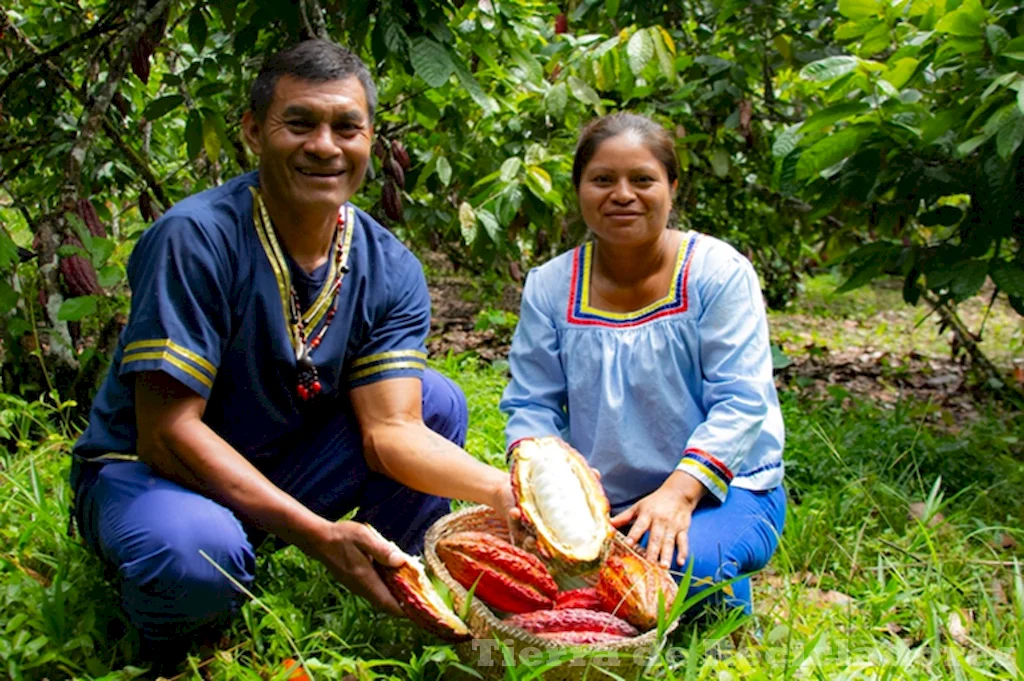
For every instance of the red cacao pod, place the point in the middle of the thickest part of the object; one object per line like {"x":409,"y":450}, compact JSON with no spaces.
{"x":572,"y":619}
{"x":579,"y":598}
{"x":380,"y":148}
{"x":146,"y":209}
{"x":393,"y":168}
{"x":628,"y":586}
{"x":87,"y":212}
{"x":391,"y":201}
{"x":400,"y":154}
{"x":78,"y":273}
{"x":421,"y":602}
{"x":141,"y":53}
{"x":562,"y":503}
{"x":581,"y":638}
{"x":510,"y":579}
{"x":561,"y":24}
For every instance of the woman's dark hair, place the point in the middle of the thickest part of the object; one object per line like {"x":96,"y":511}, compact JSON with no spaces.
{"x":318,"y":61}
{"x":654,"y":137}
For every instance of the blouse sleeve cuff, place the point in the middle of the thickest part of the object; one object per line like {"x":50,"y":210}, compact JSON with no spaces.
{"x":711,"y":472}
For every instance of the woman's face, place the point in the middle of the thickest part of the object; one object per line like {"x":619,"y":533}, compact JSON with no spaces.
{"x":624,"y":193}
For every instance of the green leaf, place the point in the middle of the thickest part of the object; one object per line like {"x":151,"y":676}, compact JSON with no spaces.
{"x":997,"y":37}
{"x":611,"y":7}
{"x":444,"y":170}
{"x":968,"y":20}
{"x":899,"y":73}
{"x":968,"y":278}
{"x":8,"y":250}
{"x":211,"y":138}
{"x":510,"y":169}
{"x":859,"y":9}
{"x":830,"y":150}
{"x":1008,"y":276}
{"x":467,"y":223}
{"x":431,"y":61}
{"x":965,"y":148}
{"x":555,"y":100}
{"x":211,"y":89}
{"x":1010,"y":136}
{"x":538,"y":180}
{"x":490,"y":224}
{"x":876,"y":40}
{"x":197,"y":29}
{"x":110,"y":275}
{"x":194,"y":134}
{"x":787,"y":140}
{"x":833,"y":114}
{"x":829,"y":68}
{"x":74,"y":309}
{"x":780,"y":360}
{"x":640,"y":50}
{"x":855,"y":29}
{"x":162,"y":106}
{"x":584,"y":93}
{"x":8,"y":297}
{"x":784,"y":47}
{"x":100,"y":250}
{"x":666,"y":63}
{"x":1020,"y":100}
{"x":472,"y":86}
{"x":720,"y":162}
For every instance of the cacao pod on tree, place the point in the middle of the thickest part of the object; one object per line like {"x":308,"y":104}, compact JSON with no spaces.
{"x":400,"y":154}
{"x":391,"y":201}
{"x":510,"y":579}
{"x":393,"y":168}
{"x":78,"y":273}
{"x":562,"y":503}
{"x":380,"y":148}
{"x":561,"y":24}
{"x":87,"y":212}
{"x":146,"y":209}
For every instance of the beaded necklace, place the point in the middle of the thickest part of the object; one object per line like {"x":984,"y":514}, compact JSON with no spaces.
{"x":308,"y":384}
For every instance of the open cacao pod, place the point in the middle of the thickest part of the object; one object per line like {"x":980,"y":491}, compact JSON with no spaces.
{"x":420,"y":601}
{"x":562,"y":503}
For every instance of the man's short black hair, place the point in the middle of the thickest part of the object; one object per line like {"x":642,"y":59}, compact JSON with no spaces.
{"x":319,"y":61}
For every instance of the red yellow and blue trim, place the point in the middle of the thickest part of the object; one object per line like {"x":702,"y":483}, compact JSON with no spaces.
{"x":706,"y":467}
{"x":580,"y":311}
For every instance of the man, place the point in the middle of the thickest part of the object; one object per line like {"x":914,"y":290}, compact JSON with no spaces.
{"x":272,"y":375}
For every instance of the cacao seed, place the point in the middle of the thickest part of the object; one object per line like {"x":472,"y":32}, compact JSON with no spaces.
{"x":510,"y":579}
{"x":572,"y":619}
{"x":400,"y":154}
{"x":628,"y":586}
{"x":391,"y":201}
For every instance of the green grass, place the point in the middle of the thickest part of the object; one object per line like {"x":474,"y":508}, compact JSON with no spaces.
{"x":858,"y":589}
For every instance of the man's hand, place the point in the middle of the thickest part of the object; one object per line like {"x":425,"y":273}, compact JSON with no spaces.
{"x":348,"y":550}
{"x":666,"y":514}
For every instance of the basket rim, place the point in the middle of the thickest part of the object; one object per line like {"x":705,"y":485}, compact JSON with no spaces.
{"x":449,"y":524}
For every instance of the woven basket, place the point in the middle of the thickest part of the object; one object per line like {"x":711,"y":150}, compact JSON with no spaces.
{"x":626,"y":659}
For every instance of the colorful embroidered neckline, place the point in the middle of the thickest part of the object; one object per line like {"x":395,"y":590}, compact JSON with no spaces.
{"x":582,"y":312}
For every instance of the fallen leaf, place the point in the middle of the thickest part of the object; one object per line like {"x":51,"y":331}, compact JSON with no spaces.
{"x":1005,"y":541}
{"x":957,"y":627}
{"x":999,"y":593}
{"x":834,"y":597}
{"x":917,"y":511}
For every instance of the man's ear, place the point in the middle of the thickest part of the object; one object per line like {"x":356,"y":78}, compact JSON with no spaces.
{"x":251,"y":131}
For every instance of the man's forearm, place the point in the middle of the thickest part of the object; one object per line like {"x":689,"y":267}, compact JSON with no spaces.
{"x":412,"y":454}
{"x":195,"y":456}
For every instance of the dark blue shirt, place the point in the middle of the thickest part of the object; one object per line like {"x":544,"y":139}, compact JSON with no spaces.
{"x":209,"y":288}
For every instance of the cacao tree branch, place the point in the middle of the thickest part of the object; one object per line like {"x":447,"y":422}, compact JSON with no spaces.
{"x":104,"y":24}
{"x":131,"y":156}
{"x":313,"y":18}
{"x":967,"y":340}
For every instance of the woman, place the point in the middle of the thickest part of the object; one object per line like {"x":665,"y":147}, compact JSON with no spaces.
{"x":647,"y":350}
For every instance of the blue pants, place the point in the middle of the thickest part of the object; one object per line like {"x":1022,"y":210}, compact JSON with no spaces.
{"x":148,"y":531}
{"x":736,"y":537}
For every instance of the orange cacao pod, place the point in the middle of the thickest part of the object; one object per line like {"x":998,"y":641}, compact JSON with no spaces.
{"x":562,"y":503}
{"x":628,"y":586}
{"x":391,"y":201}
{"x":400,"y":154}
{"x":579,"y":598}
{"x":572,"y":619}
{"x":510,"y":579}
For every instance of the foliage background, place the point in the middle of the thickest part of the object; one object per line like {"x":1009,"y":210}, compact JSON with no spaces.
{"x":879,"y":136}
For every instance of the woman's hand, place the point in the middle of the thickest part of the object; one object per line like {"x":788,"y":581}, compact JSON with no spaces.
{"x":666,"y":514}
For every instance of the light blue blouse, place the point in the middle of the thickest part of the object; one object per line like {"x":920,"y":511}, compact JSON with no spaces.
{"x":685,"y":382}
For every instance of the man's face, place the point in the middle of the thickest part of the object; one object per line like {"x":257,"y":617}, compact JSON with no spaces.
{"x":314,"y":144}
